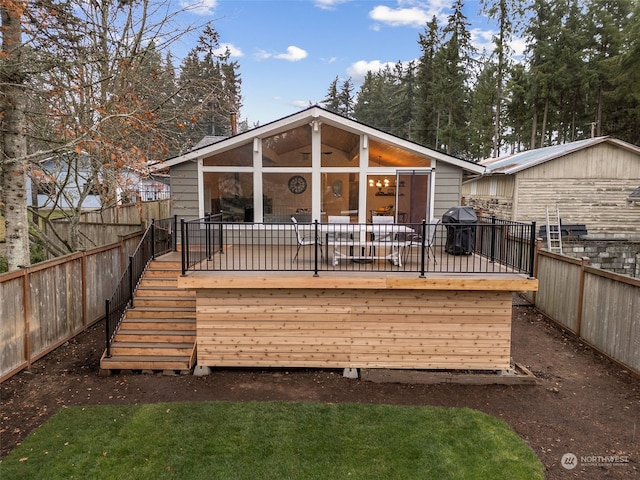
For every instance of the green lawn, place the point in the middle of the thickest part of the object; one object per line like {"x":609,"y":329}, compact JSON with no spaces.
{"x":271,"y":441}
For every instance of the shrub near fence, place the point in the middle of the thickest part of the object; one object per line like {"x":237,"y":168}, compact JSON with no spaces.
{"x":600,"y":307}
{"x":43,"y":306}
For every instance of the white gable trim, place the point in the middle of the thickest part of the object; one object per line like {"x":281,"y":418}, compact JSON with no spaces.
{"x":315,"y":114}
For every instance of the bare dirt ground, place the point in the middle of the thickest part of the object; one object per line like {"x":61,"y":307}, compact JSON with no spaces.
{"x":582,"y":404}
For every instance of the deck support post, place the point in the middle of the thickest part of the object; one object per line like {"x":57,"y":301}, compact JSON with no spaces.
{"x":201,"y":371}
{"x":350,"y":373}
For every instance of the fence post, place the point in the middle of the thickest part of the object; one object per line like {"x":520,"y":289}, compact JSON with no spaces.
{"x":221,"y":235}
{"x":175,"y":233}
{"x":184,"y":247}
{"x":153,"y":239}
{"x":532,"y":250}
{"x":207,"y":235}
{"x":584,"y":262}
{"x":493,"y":238}
{"x":131,"y":281}
{"x":315,"y":267}
{"x":107,"y":329}
{"x":423,"y":236}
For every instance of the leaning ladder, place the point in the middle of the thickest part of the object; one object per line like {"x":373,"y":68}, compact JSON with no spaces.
{"x":554,"y":234}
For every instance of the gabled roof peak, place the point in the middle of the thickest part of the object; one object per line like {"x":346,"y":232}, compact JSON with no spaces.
{"x":306,"y":116}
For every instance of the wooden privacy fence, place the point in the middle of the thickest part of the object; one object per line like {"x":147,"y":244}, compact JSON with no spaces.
{"x":600,"y":307}
{"x":133,"y":213}
{"x":43,"y":306}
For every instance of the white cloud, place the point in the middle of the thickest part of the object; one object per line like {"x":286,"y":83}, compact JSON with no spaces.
{"x":300,"y":103}
{"x":293,"y":54}
{"x":262,"y":55}
{"x":200,"y":7}
{"x":400,"y":17}
{"x":482,"y":40}
{"x":519,"y":45}
{"x":233,"y":50}
{"x":328,"y":4}
{"x":358,"y":70}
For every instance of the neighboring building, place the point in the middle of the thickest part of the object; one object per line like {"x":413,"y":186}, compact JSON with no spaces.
{"x":314,"y":164}
{"x":63,"y":182}
{"x":592,"y":182}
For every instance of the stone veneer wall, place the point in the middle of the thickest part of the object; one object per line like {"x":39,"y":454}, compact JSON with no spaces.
{"x":613,"y":256}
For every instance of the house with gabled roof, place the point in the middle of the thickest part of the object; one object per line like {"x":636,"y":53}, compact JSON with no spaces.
{"x":591,"y":182}
{"x":297,"y":268}
{"x":315,"y":164}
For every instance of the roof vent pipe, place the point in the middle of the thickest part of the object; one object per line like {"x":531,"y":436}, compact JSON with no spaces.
{"x":234,"y":124}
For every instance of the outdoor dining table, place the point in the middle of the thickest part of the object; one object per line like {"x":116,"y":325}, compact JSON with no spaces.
{"x":362,"y":242}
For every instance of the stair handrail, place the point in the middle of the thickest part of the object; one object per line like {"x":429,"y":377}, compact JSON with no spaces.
{"x":159,"y":238}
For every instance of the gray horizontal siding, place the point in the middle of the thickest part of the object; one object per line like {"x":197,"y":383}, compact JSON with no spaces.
{"x":448,"y":188}
{"x":184,"y":190}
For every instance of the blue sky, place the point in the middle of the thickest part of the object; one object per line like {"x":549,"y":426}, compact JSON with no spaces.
{"x":289,"y":51}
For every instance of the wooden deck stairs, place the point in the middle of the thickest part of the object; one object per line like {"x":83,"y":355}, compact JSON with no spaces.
{"x":159,"y":332}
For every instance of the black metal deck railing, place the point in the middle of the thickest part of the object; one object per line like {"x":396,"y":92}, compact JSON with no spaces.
{"x":159,"y":238}
{"x":489,"y":246}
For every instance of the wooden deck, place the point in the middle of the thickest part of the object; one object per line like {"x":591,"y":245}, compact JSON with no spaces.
{"x":367,"y":316}
{"x":343,"y":318}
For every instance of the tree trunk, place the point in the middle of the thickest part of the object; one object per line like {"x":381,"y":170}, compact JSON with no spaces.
{"x":13,"y":178}
{"x":599,"y":113}
{"x":543,"y":129}
{"x":534,"y":126}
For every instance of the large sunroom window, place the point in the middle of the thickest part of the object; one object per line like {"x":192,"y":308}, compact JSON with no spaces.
{"x":241,"y":156}
{"x":288,"y":149}
{"x":231,"y":194}
{"x":339,"y":147}
{"x":340,"y":195}
{"x":286,"y":195}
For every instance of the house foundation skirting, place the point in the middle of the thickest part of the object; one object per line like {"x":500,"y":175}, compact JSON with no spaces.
{"x":350,"y":322}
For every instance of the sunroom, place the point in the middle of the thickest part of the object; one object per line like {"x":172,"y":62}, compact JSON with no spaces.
{"x":369,"y":302}
{"x":315,"y":164}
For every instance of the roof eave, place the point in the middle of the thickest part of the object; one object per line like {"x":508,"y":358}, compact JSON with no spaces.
{"x":318,"y":113}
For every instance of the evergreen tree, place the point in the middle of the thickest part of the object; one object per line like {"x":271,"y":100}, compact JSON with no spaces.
{"x":373,"y":104}
{"x":332,"y":101}
{"x":403,"y":101}
{"x":209,"y":90}
{"x":345,"y":98}
{"x":426,"y":113}
{"x":571,"y":107}
{"x":518,"y":109}
{"x":365,"y":108}
{"x":626,"y":82}
{"x":544,"y":63}
{"x":482,"y":118}
{"x":503,"y":11}
{"x":454,"y":62}
{"x":606,"y":23}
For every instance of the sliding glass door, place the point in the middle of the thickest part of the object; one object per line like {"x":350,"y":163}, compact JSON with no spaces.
{"x":413,"y":196}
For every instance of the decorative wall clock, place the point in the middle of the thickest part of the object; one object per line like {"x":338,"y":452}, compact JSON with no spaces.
{"x":337,"y":188}
{"x":297,"y":184}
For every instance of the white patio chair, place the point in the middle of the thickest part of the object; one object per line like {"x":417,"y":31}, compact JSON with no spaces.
{"x":382,"y":219}
{"x":381,"y":235}
{"x":339,"y":236}
{"x":415,"y":240}
{"x":302,"y":241}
